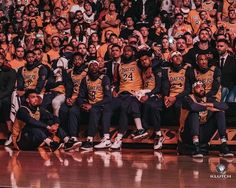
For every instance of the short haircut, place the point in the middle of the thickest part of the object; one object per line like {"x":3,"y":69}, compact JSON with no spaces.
{"x":116,"y":46}
{"x":30,"y":91}
{"x":223,"y":40}
{"x":29,"y":52}
{"x":142,"y":53}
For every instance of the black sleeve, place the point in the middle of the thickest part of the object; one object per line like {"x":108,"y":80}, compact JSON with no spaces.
{"x":158,"y":82}
{"x":69,"y":86}
{"x":117,"y":80}
{"x":216,"y":83}
{"x":187,"y":87}
{"x":42,"y":79}
{"x":165,"y":83}
{"x":51,"y":83}
{"x":106,"y":90}
{"x":48,"y":117}
{"x":83,"y":93}
{"x":219,"y":105}
{"x":20,"y":80}
{"x":24,"y":116}
{"x":11,"y":80}
{"x":192,"y":78}
{"x":215,"y":6}
{"x":190,"y":105}
{"x":220,"y":7}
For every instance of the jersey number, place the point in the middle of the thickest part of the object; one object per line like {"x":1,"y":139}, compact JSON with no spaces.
{"x":127,"y":77}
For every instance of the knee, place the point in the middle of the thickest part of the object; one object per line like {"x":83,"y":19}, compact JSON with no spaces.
{"x":56,"y":103}
{"x":38,"y":133}
{"x":194,"y":116}
{"x":220,"y":114}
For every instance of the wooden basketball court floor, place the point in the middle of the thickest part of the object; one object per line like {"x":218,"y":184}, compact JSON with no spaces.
{"x":124,"y":169}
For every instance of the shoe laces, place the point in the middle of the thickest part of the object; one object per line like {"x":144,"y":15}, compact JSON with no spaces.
{"x":104,"y":139}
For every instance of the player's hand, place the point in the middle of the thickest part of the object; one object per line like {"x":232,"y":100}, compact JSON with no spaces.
{"x":114,"y":94}
{"x":69,"y":102}
{"x":54,"y":127}
{"x":144,"y":99}
{"x":86,"y":106}
{"x":212,"y":109}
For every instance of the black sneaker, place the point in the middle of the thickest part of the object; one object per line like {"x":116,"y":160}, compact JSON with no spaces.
{"x":224,"y":150}
{"x":72,"y":144}
{"x":88,"y":146}
{"x":140,"y":133}
{"x":197,"y":153}
{"x":55,"y":146}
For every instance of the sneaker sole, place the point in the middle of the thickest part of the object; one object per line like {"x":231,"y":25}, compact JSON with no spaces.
{"x":106,"y":147}
{"x":114,"y":149}
{"x":75,"y":146}
{"x":87,"y":149}
{"x":140,"y":136}
{"x":197,"y":156}
{"x":226,"y":155}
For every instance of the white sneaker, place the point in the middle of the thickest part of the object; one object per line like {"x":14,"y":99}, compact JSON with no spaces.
{"x":158,"y":142}
{"x":8,"y":142}
{"x":117,"y":144}
{"x":105,"y":143}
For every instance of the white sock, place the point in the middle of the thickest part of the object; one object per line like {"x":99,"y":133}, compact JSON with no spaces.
{"x":158,"y":133}
{"x":66,"y":139}
{"x":90,"y":138}
{"x":138,"y":123}
{"x":195,"y":139}
{"x":107,"y":136}
{"x":48,"y":141}
{"x":223,"y":140}
{"x":119,"y":136}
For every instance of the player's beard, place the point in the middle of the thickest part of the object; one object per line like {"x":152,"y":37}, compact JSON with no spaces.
{"x":93,"y":75}
{"x":200,"y":95}
{"x":127,"y":59}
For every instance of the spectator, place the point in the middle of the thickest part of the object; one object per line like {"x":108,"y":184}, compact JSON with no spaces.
{"x":227,"y":64}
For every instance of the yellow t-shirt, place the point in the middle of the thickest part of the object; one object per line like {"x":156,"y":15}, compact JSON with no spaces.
{"x":16,"y":64}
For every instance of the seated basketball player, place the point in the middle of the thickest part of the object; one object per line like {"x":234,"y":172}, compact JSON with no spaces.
{"x":76,"y":74}
{"x":31,"y":76}
{"x":152,"y":100}
{"x":128,"y":80}
{"x":177,"y":84}
{"x":200,"y":118}
{"x":94,"y":95}
{"x":209,"y":75}
{"x":35,"y":127}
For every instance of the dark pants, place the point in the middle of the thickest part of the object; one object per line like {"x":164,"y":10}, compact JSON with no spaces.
{"x":95,"y":113}
{"x":151,"y":113}
{"x":32,"y":138}
{"x":64,"y":116}
{"x":170,"y":116}
{"x":5,"y":108}
{"x":205,"y":132}
{"x":127,"y":105}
